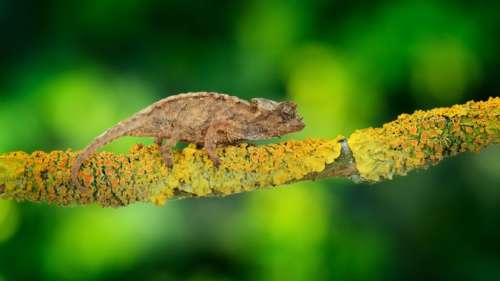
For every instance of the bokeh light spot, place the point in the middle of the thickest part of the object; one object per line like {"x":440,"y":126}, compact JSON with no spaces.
{"x":269,"y":28}
{"x":322,"y":86}
{"x":19,"y":126}
{"x":442,"y":71}
{"x":80,"y":105}
{"x":288,"y":226}
{"x":9,"y":220}
{"x":92,"y":240}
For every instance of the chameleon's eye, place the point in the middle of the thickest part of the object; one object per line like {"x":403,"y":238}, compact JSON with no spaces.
{"x":287,"y":114}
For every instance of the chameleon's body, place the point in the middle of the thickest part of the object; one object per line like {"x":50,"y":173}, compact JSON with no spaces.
{"x":202,"y":118}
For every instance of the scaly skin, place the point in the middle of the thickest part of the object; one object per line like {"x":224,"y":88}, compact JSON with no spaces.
{"x":202,"y":118}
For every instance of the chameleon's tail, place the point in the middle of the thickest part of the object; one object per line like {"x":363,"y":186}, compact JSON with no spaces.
{"x":103,"y":139}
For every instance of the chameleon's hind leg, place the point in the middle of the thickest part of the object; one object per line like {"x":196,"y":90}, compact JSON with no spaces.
{"x":210,"y":147}
{"x":211,"y":140}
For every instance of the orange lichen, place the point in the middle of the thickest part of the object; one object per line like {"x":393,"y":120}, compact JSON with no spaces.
{"x":117,"y":180}
{"x":246,"y":167}
{"x":425,"y":137}
{"x":410,"y":142}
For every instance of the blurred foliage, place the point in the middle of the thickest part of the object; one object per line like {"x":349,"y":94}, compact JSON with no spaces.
{"x":69,"y":70}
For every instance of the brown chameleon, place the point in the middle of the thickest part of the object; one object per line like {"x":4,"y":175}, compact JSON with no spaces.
{"x":202,"y":118}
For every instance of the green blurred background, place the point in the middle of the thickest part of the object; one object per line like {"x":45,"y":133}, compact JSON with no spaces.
{"x":70,"y":69}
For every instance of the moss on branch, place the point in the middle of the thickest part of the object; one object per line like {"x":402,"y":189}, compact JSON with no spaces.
{"x":374,"y":154}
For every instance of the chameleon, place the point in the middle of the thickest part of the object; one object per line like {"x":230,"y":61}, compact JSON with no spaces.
{"x":204,"y":118}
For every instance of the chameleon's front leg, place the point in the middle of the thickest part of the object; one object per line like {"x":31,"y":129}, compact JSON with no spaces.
{"x":166,"y":148}
{"x":220,"y":132}
{"x":159,"y":140}
{"x":211,"y":140}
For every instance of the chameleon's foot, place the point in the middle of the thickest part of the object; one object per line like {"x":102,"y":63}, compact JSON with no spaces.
{"x":76,"y":182}
{"x":213,"y":156}
{"x":167,"y":155}
{"x":83,"y":189}
{"x":215,"y":160}
{"x":168,"y":161}
{"x":167,"y":158}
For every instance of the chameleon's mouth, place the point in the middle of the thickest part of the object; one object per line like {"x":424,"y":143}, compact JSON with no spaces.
{"x":300,"y":126}
{"x":295,"y":126}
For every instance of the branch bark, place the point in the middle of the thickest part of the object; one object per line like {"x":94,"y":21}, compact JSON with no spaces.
{"x":374,"y":154}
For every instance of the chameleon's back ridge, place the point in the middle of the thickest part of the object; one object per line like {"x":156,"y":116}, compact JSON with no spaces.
{"x":206,"y":118}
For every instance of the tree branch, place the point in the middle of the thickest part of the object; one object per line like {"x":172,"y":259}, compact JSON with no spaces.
{"x":374,"y":154}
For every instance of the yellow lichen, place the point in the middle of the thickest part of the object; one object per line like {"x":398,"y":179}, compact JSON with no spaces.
{"x":412,"y":141}
{"x":117,"y":180}
{"x":246,"y":167}
{"x":425,"y":137}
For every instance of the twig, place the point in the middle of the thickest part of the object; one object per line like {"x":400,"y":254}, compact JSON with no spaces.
{"x":373,"y":154}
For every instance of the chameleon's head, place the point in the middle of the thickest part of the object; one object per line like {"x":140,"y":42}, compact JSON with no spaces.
{"x":275,"y":118}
